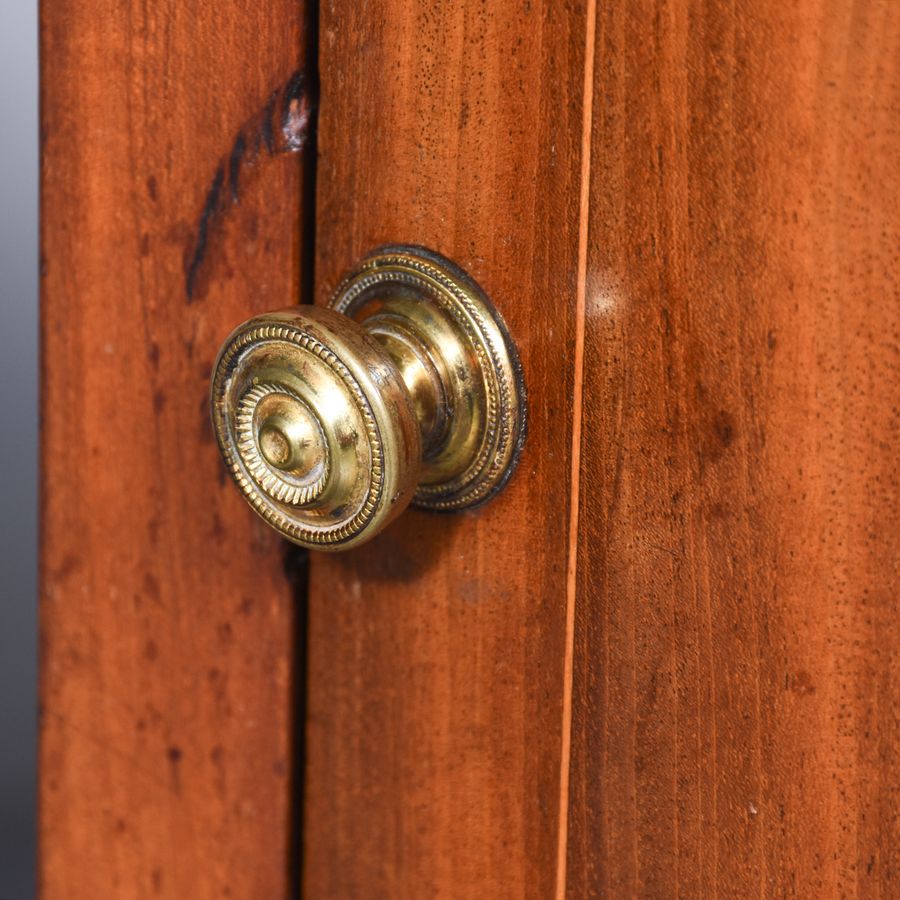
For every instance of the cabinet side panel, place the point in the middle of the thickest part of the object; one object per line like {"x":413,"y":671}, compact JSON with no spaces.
{"x":736,"y":684}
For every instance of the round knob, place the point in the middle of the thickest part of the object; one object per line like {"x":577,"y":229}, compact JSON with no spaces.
{"x":407,"y":389}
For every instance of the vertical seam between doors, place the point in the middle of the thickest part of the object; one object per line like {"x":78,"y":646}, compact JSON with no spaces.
{"x":575,"y":476}
{"x":297,"y":562}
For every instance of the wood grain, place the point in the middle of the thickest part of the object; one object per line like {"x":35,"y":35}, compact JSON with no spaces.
{"x":436,"y":652}
{"x":166,"y":616}
{"x":734,"y":702}
{"x":736,"y":645}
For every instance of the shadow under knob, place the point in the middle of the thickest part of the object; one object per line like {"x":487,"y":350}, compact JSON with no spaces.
{"x":408,"y":389}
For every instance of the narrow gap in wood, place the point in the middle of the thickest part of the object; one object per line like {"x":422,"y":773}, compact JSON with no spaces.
{"x":296,"y":558}
{"x":575,"y":480}
{"x":310,"y":159}
{"x":296,"y":564}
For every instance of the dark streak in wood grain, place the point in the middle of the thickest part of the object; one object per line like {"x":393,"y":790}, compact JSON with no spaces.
{"x":290,"y":108}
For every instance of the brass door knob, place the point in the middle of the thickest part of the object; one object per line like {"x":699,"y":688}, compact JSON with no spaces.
{"x":406,"y":389}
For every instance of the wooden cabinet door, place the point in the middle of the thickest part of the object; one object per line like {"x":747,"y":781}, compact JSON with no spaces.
{"x":171,"y":208}
{"x":437,"y":653}
{"x":663,"y":661}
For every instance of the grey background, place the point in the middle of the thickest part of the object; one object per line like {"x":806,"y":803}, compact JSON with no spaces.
{"x":18,"y":444}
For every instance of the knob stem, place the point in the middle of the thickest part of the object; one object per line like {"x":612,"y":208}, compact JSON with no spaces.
{"x":419,"y":372}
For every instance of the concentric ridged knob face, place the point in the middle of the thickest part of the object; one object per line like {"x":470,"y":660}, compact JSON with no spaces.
{"x":282,"y":444}
{"x":316,"y":426}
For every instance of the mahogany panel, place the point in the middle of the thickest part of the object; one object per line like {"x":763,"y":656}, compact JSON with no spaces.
{"x":436,"y":653}
{"x":171,"y":210}
{"x":736,"y":644}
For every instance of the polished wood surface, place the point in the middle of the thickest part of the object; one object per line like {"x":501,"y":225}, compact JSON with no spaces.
{"x":437,"y":651}
{"x":171,"y":206}
{"x":737,"y":692}
{"x":683,"y":683}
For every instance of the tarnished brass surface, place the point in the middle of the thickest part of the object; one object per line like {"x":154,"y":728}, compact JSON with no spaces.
{"x":406,"y":389}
